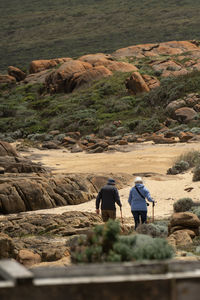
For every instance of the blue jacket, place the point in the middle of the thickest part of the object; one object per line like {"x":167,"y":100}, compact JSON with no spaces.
{"x":136,"y":201}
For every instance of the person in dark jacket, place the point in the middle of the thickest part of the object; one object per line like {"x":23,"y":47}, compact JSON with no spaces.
{"x":108,"y":196}
{"x":137,"y":201}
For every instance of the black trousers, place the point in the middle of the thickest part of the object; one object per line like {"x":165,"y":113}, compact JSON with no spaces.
{"x":137,"y":214}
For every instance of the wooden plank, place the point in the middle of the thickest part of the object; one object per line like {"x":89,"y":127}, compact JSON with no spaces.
{"x":12,"y":270}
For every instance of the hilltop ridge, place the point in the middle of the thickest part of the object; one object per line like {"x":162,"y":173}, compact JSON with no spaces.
{"x":45,"y":29}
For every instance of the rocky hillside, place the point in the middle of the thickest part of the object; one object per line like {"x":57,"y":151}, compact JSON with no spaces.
{"x":47,"y":29}
{"x":150,"y":88}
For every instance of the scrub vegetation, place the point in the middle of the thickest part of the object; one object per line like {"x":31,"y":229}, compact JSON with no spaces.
{"x":106,"y":244}
{"x":93,"y":108}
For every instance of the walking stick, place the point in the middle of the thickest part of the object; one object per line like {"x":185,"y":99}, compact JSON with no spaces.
{"x":153,"y":212}
{"x":122,"y":219}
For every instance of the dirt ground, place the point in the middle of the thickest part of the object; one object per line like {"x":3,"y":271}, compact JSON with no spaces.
{"x":141,"y":158}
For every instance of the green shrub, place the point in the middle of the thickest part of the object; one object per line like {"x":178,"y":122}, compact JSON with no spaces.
{"x":149,"y":125}
{"x":178,"y":167}
{"x":196,"y":210}
{"x":196,"y":174}
{"x":151,"y":248}
{"x":154,"y":230}
{"x":105,"y":244}
{"x":184,"y":162}
{"x":191,"y":157}
{"x":183,"y":204}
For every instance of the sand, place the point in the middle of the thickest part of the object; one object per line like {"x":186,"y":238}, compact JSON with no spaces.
{"x":141,"y":158}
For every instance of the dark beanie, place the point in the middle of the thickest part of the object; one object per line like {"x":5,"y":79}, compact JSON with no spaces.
{"x":111,"y":181}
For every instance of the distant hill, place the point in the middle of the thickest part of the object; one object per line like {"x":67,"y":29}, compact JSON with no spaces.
{"x":35,"y":29}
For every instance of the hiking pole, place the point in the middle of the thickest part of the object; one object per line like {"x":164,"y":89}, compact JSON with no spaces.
{"x":122,"y":219}
{"x":153,"y":204}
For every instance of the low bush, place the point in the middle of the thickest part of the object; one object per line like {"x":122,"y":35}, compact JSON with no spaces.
{"x":196,"y":174}
{"x":184,"y":162}
{"x":104,"y":243}
{"x":178,"y":167}
{"x":191,"y":157}
{"x":148,"y":125}
{"x":196,"y":211}
{"x":183,"y":204}
{"x":154,"y":230}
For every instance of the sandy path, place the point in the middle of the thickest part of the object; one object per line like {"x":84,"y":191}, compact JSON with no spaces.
{"x":143,"y":158}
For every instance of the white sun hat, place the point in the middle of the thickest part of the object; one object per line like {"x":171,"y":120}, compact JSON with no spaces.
{"x":138,"y":180}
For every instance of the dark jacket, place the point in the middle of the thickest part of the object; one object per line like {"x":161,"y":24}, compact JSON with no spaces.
{"x":108,"y":195}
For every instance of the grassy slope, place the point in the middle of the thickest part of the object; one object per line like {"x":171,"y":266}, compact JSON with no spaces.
{"x":94,"y":108}
{"x":35,"y":29}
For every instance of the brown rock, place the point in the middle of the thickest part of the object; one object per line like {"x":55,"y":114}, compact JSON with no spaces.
{"x":136,"y":84}
{"x":68,"y":140}
{"x":6,"y":246}
{"x":151,"y":81}
{"x":75,"y":135}
{"x":50,"y":145}
{"x":77,"y":148}
{"x":59,"y":80}
{"x":28,"y":258}
{"x":38,"y":77}
{"x":170,"y":134}
{"x":7,"y":150}
{"x":181,"y":237}
{"x":85,"y":77}
{"x":185,"y":114}
{"x":95,"y":58}
{"x":167,"y":67}
{"x":150,"y":50}
{"x":120,"y":66}
{"x":185,"y":219}
{"x":185,"y":136}
{"x":7,"y":79}
{"x":19,"y":165}
{"x":17,"y":73}
{"x":107,"y":61}
{"x":175,"y":73}
{"x":174,"y":105}
{"x":123,"y":142}
{"x":192,"y":99}
{"x":160,"y":139}
{"x":197,"y":107}
{"x":41,"y":65}
{"x":2,"y":170}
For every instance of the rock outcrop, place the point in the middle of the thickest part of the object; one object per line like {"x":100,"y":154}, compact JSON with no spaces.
{"x":138,"y":83}
{"x":6,"y":246}
{"x":153,"y":50}
{"x":107,"y":61}
{"x":182,"y":228}
{"x":17,"y":73}
{"x":10,"y":162}
{"x":185,"y":114}
{"x":7,"y":150}
{"x":186,"y":220}
{"x":7,"y":79}
{"x":44,"y":64}
{"x":34,"y":238}
{"x":19,"y":193}
{"x":59,"y":80}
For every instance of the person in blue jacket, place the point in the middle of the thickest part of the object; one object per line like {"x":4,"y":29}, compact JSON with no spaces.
{"x":137,"y":201}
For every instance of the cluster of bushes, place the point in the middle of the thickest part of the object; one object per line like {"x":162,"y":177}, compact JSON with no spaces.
{"x":187,"y":204}
{"x":105,"y":244}
{"x":27,"y":107}
{"x":183,"y":204}
{"x":154,"y":229}
{"x":186,"y":161}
